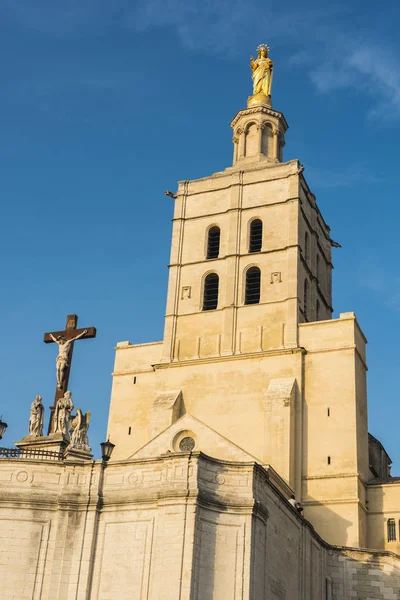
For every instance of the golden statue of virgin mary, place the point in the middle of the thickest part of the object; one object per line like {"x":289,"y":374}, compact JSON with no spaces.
{"x":262,"y":69}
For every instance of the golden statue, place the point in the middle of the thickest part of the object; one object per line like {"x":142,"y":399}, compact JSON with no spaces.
{"x":262,"y":69}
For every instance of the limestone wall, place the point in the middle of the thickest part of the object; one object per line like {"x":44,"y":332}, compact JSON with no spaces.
{"x":316,"y":437}
{"x":384,"y":505}
{"x":177,"y":526}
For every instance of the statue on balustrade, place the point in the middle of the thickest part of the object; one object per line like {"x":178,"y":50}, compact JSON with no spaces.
{"x":62,"y":415}
{"x":36,"y":417}
{"x":79,"y":429}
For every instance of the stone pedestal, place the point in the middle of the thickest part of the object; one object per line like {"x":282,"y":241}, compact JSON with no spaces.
{"x":55,"y":442}
{"x":77,"y":454}
{"x":258,"y":99}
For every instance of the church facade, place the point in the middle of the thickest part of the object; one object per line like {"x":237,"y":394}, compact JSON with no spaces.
{"x":254,"y":394}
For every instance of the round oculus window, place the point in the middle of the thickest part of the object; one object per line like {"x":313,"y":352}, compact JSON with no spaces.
{"x":187,"y":444}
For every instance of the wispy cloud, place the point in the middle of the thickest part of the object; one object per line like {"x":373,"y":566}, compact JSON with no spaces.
{"x":364,"y":67}
{"x":385,"y":287}
{"x":59,"y":18}
{"x":348,"y":177}
{"x":334,"y":52}
{"x":336,"y":56}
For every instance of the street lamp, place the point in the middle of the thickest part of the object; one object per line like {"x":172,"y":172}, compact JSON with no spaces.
{"x":3,"y":427}
{"x":106,"y":450}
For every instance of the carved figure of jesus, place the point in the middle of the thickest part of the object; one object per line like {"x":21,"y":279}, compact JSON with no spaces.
{"x":64,"y":349}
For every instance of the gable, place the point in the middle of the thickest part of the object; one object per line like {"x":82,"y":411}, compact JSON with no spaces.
{"x":205,"y":439}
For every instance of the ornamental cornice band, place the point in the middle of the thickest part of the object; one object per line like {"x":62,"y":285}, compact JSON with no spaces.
{"x":257,"y":110}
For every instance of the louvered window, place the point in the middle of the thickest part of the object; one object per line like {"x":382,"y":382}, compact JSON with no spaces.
{"x":305,"y":301}
{"x":213,"y":242}
{"x":253,"y":284}
{"x":211,"y":284}
{"x":256,"y":228}
{"x":391,"y":530}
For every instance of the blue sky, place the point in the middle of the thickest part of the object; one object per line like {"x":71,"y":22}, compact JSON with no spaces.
{"x":104,"y":105}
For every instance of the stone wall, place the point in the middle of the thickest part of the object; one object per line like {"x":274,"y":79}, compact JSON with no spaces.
{"x":177,"y":526}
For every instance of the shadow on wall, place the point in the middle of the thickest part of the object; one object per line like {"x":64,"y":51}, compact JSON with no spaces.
{"x":330,"y":526}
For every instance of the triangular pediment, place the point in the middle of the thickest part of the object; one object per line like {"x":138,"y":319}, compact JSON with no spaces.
{"x":178,"y":438}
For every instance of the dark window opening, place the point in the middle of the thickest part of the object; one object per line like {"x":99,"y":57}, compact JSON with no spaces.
{"x":253,"y":285}
{"x":134,"y":379}
{"x":214,"y":235}
{"x":256,"y":228}
{"x":129,"y":430}
{"x":306,"y":246}
{"x":329,"y":460}
{"x":317,"y":311}
{"x":305,"y":303}
{"x":391,"y":530}
{"x":211,"y":284}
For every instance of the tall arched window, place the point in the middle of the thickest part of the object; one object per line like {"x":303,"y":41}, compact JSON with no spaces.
{"x":252,"y":137}
{"x":210,"y":299}
{"x":253,"y":286}
{"x":305,"y":301}
{"x":267,"y":145}
{"x":391,"y":530}
{"x":255,"y":242}
{"x":317,"y":310}
{"x":306,"y":246}
{"x":214,"y":235}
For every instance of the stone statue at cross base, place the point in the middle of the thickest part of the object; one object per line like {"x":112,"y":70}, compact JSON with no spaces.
{"x":79,"y":429}
{"x":62,"y":415}
{"x":36,"y":417}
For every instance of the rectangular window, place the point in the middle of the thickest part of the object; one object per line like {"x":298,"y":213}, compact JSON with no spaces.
{"x":129,"y":430}
{"x":134,"y":379}
{"x":329,"y":412}
{"x":329,"y":460}
{"x":391,"y":530}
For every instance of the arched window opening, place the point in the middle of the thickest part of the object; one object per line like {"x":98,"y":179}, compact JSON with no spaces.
{"x":281,"y":143}
{"x":253,"y":286}
{"x":391,"y":530}
{"x":266,"y":140}
{"x":255,"y":243}
{"x":317,"y":310}
{"x":305,"y":301}
{"x":252,"y":137}
{"x":214,"y":235}
{"x":211,"y":284}
{"x":306,"y":246}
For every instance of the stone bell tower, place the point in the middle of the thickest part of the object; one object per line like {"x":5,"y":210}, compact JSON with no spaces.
{"x":251,"y":363}
{"x":293,"y":257}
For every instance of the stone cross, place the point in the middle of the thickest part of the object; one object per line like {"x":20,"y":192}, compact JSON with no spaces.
{"x":65,"y":340}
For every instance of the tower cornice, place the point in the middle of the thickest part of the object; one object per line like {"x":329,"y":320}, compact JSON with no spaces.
{"x":260,"y":110}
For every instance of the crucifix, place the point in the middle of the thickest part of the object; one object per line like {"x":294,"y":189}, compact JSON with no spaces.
{"x":65,"y":341}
